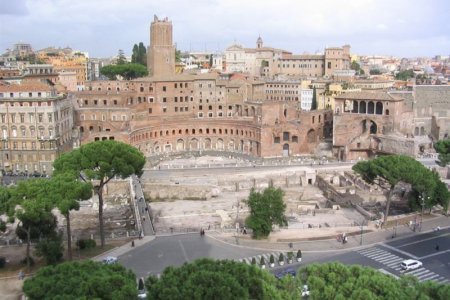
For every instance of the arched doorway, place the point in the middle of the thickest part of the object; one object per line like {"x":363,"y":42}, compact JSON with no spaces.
{"x":180,"y":145}
{"x":219,"y":144}
{"x":311,"y":136}
{"x":231,"y":145}
{"x":286,"y":150}
{"x":193,"y":145}
{"x":373,"y":127}
{"x":207,"y":144}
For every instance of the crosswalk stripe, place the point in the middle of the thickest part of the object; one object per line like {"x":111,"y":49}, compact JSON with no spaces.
{"x":383,"y":256}
{"x":429,"y":278}
{"x":387,"y":258}
{"x":397,"y":268}
{"x":418,"y":272}
{"x":394,"y":261}
{"x":375,"y":254}
{"x":443,"y":280}
{"x":371,"y":251}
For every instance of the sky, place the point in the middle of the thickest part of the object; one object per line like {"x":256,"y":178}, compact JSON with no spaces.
{"x":402,"y":28}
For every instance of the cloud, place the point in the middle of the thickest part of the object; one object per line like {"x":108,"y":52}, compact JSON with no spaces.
{"x":13,"y":7}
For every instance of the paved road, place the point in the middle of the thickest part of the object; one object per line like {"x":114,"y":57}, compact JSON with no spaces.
{"x":388,"y":256}
{"x":164,"y":251}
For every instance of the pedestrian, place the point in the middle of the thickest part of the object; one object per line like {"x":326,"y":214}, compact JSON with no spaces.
{"x":21,"y":275}
{"x":132,"y":243}
{"x":437,"y":247}
{"x":143,"y":219}
{"x":146,"y":209}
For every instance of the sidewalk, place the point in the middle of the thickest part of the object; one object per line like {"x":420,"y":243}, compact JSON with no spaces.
{"x":331,"y":245}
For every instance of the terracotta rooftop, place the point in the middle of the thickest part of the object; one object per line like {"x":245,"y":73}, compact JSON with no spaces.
{"x":26,"y":87}
{"x":380,"y":96}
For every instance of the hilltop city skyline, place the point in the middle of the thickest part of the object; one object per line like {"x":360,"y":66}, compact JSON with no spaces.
{"x":401,"y":29}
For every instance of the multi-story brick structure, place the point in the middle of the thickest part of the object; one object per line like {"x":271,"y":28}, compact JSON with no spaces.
{"x":161,"y":52}
{"x":36,"y":127}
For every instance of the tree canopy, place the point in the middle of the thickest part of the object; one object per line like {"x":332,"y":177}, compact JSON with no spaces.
{"x":388,"y":171}
{"x":127,"y":71}
{"x":266,"y":209}
{"x":209,"y":279}
{"x":355,"y":66}
{"x":337,"y":281}
{"x":404,"y":75}
{"x":81,"y":280}
{"x":139,"y":55}
{"x":443,"y":148}
{"x":101,"y":161}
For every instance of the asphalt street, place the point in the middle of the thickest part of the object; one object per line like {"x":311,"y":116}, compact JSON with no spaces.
{"x":163,"y":251}
{"x":388,"y":256}
{"x":152,"y":258}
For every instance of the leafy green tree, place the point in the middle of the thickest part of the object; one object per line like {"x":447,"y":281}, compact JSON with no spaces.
{"x":388,"y":171}
{"x":109,"y":71}
{"x":127,"y":71}
{"x":375,"y":72}
{"x":314,"y":100}
{"x":142,"y":57}
{"x":81,"y":280}
{"x":177,"y":55}
{"x":121,"y":59}
{"x":338,"y":281}
{"x":101,"y":161}
{"x":443,"y":148}
{"x":266,"y":209}
{"x":135,"y":54}
{"x":209,"y":279}
{"x":404,"y":75}
{"x":33,"y":211}
{"x":66,"y":192}
{"x":51,"y":248}
{"x":355,"y":66}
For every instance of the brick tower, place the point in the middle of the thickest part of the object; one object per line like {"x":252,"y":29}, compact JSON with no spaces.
{"x":161,"y":52}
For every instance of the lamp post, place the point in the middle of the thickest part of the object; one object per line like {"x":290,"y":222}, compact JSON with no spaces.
{"x":422,"y":203}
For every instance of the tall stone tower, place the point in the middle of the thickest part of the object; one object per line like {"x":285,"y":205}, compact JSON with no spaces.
{"x":161,"y":52}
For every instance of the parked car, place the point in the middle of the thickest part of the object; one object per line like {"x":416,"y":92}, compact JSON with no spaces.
{"x":110,"y":260}
{"x":286,"y":272}
{"x":411,"y":264}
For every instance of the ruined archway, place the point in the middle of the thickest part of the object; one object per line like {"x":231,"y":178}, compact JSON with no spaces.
{"x":373,"y":127}
{"x":311,"y":136}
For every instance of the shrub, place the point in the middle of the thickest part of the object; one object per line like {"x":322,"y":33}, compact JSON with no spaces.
{"x":2,"y":262}
{"x":262,"y":261}
{"x":281,"y":258}
{"x":290,"y":255}
{"x":253,"y":261}
{"x":272,"y":259}
{"x":299,"y":254}
{"x":86,"y":244}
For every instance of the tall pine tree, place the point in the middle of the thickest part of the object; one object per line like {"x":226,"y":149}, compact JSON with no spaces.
{"x":142,"y":54}
{"x":135,"y":55}
{"x":314,"y":100}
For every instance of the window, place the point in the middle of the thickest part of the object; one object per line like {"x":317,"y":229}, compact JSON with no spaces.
{"x":200,"y":107}
{"x":105,"y":102}
{"x":176,"y":99}
{"x":164,"y":88}
{"x":176,"y":109}
{"x":86,"y":102}
{"x":95,"y":102}
{"x":22,"y":118}
{"x":13,"y":118}
{"x":50,"y":117}
{"x":276,"y":140}
{"x":164,"y":109}
{"x":164,"y":99}
{"x":295,"y":139}
{"x":115,"y":102}
{"x":186,"y":108}
{"x":150,"y":110}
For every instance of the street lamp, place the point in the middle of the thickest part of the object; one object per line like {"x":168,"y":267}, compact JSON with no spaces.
{"x":422,"y":203}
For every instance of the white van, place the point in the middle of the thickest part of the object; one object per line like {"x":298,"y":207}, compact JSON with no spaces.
{"x":411,"y":264}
